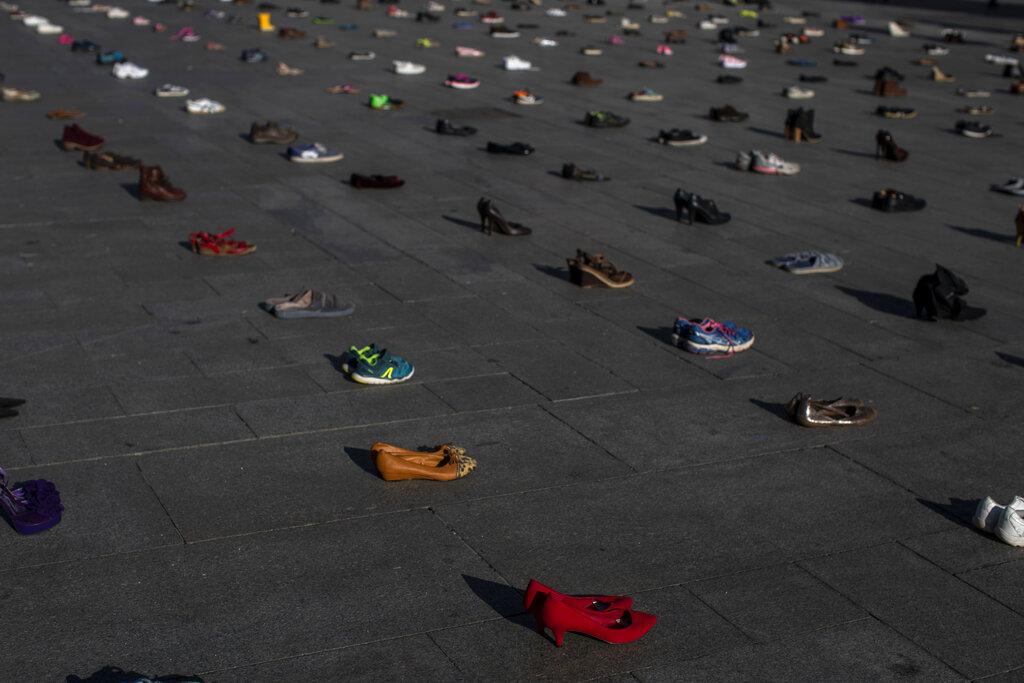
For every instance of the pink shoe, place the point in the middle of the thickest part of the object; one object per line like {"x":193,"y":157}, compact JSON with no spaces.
{"x":664,"y":50}
{"x":614,"y":40}
{"x":468,"y":52}
{"x":159,"y":27}
{"x":140,"y":20}
{"x":65,"y":39}
{"x":214,"y":46}
{"x":184,"y":33}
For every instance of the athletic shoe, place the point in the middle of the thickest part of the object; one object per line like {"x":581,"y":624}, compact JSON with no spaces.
{"x":314,"y":153}
{"x":168,"y":90}
{"x":384,"y":102}
{"x":681,"y":138}
{"x":973,"y":129}
{"x":730,"y":62}
{"x":1011,"y":526}
{"x":604,"y":119}
{"x":526,"y":97}
{"x":462,"y":82}
{"x":129,"y":70}
{"x":709,"y":336}
{"x":407,"y":68}
{"x":204,"y":105}
{"x":382,"y":368}
{"x":355,"y":355}
{"x":462,"y":51}
{"x":808,"y":262}
{"x":771,"y":164}
{"x":1013,"y":186}
{"x":795,"y":92}
{"x":514,"y":63}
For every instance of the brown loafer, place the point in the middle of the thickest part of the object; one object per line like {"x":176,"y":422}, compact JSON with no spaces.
{"x":445,"y":464}
{"x":817,"y":412}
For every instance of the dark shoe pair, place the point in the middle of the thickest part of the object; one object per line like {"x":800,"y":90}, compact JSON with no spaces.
{"x":254,"y":55}
{"x":727,"y":114}
{"x":893,"y":201}
{"x":585,"y":79}
{"x":518,"y":148}
{"x":725,"y":79}
{"x":271,"y":134}
{"x":84,"y":46}
{"x":108,"y":161}
{"x":604,"y":119}
{"x":937,"y":297}
{"x":77,"y":139}
{"x":380,"y":182}
{"x":445,"y":127}
{"x":153,"y":184}
{"x":570,"y":172}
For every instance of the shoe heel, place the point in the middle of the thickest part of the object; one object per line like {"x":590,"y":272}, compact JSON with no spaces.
{"x":558,"y":637}
{"x":580,"y":277}
{"x":798,"y":134}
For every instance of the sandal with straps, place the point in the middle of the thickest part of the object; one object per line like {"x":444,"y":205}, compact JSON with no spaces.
{"x":594,"y":270}
{"x":217,"y":245}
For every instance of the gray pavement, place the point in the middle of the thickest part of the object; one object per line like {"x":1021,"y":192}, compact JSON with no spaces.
{"x":223,"y":515}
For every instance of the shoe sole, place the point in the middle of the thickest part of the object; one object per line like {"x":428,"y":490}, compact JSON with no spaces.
{"x":172,"y":94}
{"x":684,"y":143}
{"x":320,"y":160}
{"x":703,"y":349}
{"x":765,"y":170}
{"x":362,"y":379}
{"x":72,"y":146}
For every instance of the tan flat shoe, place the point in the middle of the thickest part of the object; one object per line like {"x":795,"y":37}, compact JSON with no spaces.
{"x":817,"y":412}
{"x":64,"y":114}
{"x":445,"y":464}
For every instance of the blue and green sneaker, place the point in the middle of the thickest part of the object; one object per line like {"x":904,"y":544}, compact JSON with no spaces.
{"x":355,"y":355}
{"x":380,"y":367}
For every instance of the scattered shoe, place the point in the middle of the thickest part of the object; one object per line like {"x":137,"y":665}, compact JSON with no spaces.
{"x":526,"y":97}
{"x":362,"y":55}
{"x":382,"y":368}
{"x":375,"y":182}
{"x":939,"y":76}
{"x":937,"y":296}
{"x":570,"y":172}
{"x":1014,"y":186}
{"x":405,"y":68}
{"x":837,"y":412}
{"x":309,"y":303}
{"x":313,"y":153}
{"x":491,"y":220}
{"x":108,"y":161}
{"x":446,"y":463}
{"x":462,"y":82}
{"x":461,"y":51}
{"x":204,"y":105}
{"x":645,"y":95}
{"x":973,"y":93}
{"x":896,"y":112}
{"x":445,"y":127}
{"x":727,"y":114}
{"x":795,"y":92}
{"x":516,"y":148}
{"x":75,"y":138}
{"x":271,"y":134}
{"x":692,"y":207}
{"x":973,"y":129}
{"x":168,"y":90}
{"x":153,"y":184}
{"x":681,"y":138}
{"x":808,"y":262}
{"x":64,"y":114}
{"x":342,"y":89}
{"x":800,"y":126}
{"x":385,"y":103}
{"x":322,"y":43}
{"x":894,"y":201}
{"x":771,"y":164}
{"x":709,"y":336}
{"x":730,"y":62}
{"x":129,"y":71}
{"x":514,"y":63}
{"x":219,"y":245}
{"x":254,"y":55}
{"x":285,"y":70}
{"x":604,"y":119}
{"x":33,"y":507}
{"x":886,"y":147}
{"x":593,"y":270}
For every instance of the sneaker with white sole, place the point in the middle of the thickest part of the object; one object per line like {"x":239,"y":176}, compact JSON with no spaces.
{"x":709,"y":336}
{"x":168,"y":90}
{"x":1010,"y":528}
{"x":772,"y":164}
{"x":730,"y":62}
{"x":129,"y":70}
{"x":382,"y":368}
{"x":795,"y":92}
{"x":514,"y":63}
{"x":204,"y":105}
{"x":407,"y":68}
{"x":314,"y":153}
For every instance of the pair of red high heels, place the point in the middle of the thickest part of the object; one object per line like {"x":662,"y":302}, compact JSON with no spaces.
{"x":605,"y":617}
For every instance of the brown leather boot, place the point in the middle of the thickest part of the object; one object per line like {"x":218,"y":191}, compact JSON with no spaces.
{"x":153,"y":184}
{"x":888,"y":87}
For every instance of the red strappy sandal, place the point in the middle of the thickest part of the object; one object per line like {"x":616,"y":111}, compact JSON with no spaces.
{"x":219,"y":245}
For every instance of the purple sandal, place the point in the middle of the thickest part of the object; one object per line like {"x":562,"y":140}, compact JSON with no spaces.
{"x":32,"y":508}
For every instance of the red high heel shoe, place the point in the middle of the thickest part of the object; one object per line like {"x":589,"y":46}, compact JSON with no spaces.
{"x":537,"y":593}
{"x":612,"y":626}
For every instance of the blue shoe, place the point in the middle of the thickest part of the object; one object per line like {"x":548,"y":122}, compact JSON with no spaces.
{"x":710,"y":336}
{"x":382,"y":368}
{"x":355,"y":355}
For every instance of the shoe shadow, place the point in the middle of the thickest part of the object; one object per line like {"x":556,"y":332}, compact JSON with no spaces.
{"x":853,"y":153}
{"x":1013,"y":360}
{"x":466,"y":224}
{"x":187,"y":246}
{"x":662,"y":334}
{"x":132,"y":189}
{"x":362,"y":457}
{"x":659,"y":211}
{"x":765,"y":131}
{"x":337,"y":362}
{"x":987,"y":234}
{"x":777,"y":409}
{"x":957,"y":510}
{"x":505,"y":600}
{"x":879,"y":301}
{"x":860,"y":201}
{"x":560,"y":273}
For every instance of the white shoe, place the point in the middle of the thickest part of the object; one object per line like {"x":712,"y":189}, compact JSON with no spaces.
{"x":555,"y":12}
{"x":35,"y":20}
{"x":204,"y":105}
{"x":770,"y":164}
{"x":545,"y":42}
{"x":126,"y":70}
{"x":1010,"y":528}
{"x":49,"y":29}
{"x":730,"y":62}
{"x":1001,"y":59}
{"x":987,"y":514}
{"x":407,"y":68}
{"x":795,"y":92}
{"x":168,"y":90}
{"x":513,"y":63}
{"x":897,"y":31}
{"x":117,"y":13}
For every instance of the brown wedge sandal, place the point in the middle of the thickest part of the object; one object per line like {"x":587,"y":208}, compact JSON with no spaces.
{"x":448,"y":462}
{"x":817,"y":412}
{"x":594,"y":270}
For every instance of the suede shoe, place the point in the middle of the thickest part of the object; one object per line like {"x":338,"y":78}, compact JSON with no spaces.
{"x":108,"y":161}
{"x":893,"y":201}
{"x":727,"y":114}
{"x":77,"y":139}
{"x":271,"y":134}
{"x":153,"y":184}
{"x":380,"y":182}
{"x":583,"y":78}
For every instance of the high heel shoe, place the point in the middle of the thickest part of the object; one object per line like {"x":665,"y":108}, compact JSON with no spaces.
{"x":614,"y":626}
{"x":886,"y":147}
{"x":491,"y":218}
{"x":691,"y":207}
{"x":537,"y":593}
{"x":800,"y":125}
{"x":593,"y":270}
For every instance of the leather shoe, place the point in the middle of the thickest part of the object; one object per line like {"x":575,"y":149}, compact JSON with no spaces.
{"x":375,"y":181}
{"x":108,"y":161}
{"x":153,"y":184}
{"x":445,"y":464}
{"x":520,"y":148}
{"x":271,"y":134}
{"x":76,"y":138}
{"x":445,"y":127}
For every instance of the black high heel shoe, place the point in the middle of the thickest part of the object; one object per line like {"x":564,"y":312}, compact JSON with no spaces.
{"x":491,"y":218}
{"x":692,"y":207}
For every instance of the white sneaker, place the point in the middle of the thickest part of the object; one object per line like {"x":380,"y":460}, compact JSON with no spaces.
{"x":129,"y":70}
{"x":513,"y":63}
{"x":1010,"y":528}
{"x":1001,"y":59}
{"x":545,"y":42}
{"x":204,"y":105}
{"x":770,"y":164}
{"x":35,"y":20}
{"x":407,"y":68}
{"x":987,"y":514}
{"x":117,"y":13}
{"x":168,"y":90}
{"x":897,"y":31}
{"x":49,"y":29}
{"x":795,"y":92}
{"x":555,"y":12}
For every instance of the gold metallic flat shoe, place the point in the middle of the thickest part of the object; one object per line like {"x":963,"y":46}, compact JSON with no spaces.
{"x":817,"y":412}
{"x":445,"y":464}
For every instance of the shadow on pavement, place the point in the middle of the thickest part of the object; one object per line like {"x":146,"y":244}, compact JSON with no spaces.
{"x":987,"y":234}
{"x":503,"y":599}
{"x":659,"y":211}
{"x":560,"y":273}
{"x":957,"y":510}
{"x":1013,"y":360}
{"x":662,"y":334}
{"x":777,"y":409}
{"x":362,"y":457}
{"x":879,"y":301}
